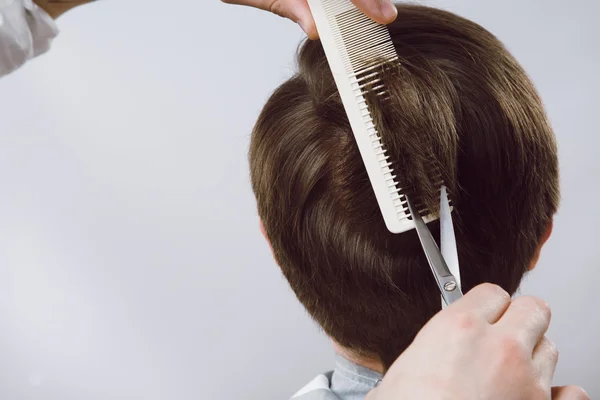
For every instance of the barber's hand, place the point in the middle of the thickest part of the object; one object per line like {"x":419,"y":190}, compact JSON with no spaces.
{"x":381,"y":11}
{"x":56,"y":8}
{"x":481,"y":347}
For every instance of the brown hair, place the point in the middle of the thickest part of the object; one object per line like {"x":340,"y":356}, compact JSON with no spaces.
{"x":458,"y":97}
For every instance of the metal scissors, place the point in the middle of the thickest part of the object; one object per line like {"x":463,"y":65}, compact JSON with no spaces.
{"x":444,"y":263}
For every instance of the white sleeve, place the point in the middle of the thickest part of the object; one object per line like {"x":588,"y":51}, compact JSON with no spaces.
{"x":26,"y":31}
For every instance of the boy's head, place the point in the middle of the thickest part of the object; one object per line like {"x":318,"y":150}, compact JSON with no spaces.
{"x":458,"y":96}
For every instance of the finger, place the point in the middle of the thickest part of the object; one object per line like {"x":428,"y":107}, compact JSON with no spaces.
{"x":569,"y":393}
{"x":527,"y":318}
{"x":372,"y":395}
{"x":295,"y":10}
{"x":486,"y":301}
{"x":545,"y":358}
{"x":381,"y":11}
{"x":305,"y":19}
{"x":262,"y":4}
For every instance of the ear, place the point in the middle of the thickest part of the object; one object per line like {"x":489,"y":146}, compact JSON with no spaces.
{"x":264,"y":233}
{"x":543,"y":241}
{"x":262,"y":229}
{"x":548,"y":233}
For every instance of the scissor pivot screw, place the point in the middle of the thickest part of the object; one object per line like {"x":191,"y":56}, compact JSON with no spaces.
{"x":450,"y":286}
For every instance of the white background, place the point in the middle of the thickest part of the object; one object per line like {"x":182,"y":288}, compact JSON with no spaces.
{"x":131,"y":264}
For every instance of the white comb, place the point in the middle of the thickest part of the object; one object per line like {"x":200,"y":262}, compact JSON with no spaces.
{"x":356,"y":48}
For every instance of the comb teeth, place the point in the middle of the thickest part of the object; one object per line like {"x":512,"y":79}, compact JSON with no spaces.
{"x":357,"y":48}
{"x":422,"y":209}
{"x":364,"y":41}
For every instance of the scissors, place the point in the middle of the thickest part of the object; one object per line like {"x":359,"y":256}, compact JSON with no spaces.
{"x":444,"y":264}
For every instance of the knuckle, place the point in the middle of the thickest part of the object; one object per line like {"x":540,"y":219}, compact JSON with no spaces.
{"x":511,"y":349}
{"x":277,"y":8}
{"x":552,"y":351}
{"x":577,"y":393}
{"x":569,"y":393}
{"x":544,"y":308}
{"x":538,"y":305}
{"x":465,"y":321}
{"x":491,"y":290}
{"x":464,"y":326}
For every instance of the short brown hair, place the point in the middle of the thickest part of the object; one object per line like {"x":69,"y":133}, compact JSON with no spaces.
{"x":458,"y":96}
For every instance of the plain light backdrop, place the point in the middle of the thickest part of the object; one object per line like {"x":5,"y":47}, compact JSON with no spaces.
{"x":131,"y":263}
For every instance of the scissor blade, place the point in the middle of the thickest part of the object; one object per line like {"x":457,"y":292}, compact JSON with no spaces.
{"x":445,"y":280}
{"x":447,"y":237}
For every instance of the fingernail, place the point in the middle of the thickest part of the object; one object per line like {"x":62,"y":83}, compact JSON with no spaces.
{"x":388,"y":10}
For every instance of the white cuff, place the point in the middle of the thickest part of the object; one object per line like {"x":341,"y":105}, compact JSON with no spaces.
{"x":26,"y":31}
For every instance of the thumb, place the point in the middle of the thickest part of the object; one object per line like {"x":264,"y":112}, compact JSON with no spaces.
{"x":569,"y":393}
{"x":306,"y":21}
{"x":299,"y":12}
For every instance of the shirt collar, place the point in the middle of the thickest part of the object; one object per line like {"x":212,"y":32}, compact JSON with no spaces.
{"x":351,"y":381}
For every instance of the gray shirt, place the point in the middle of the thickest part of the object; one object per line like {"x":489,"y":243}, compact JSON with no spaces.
{"x":348,"y":381}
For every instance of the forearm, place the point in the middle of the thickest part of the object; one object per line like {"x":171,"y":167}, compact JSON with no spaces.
{"x":56,"y":8}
